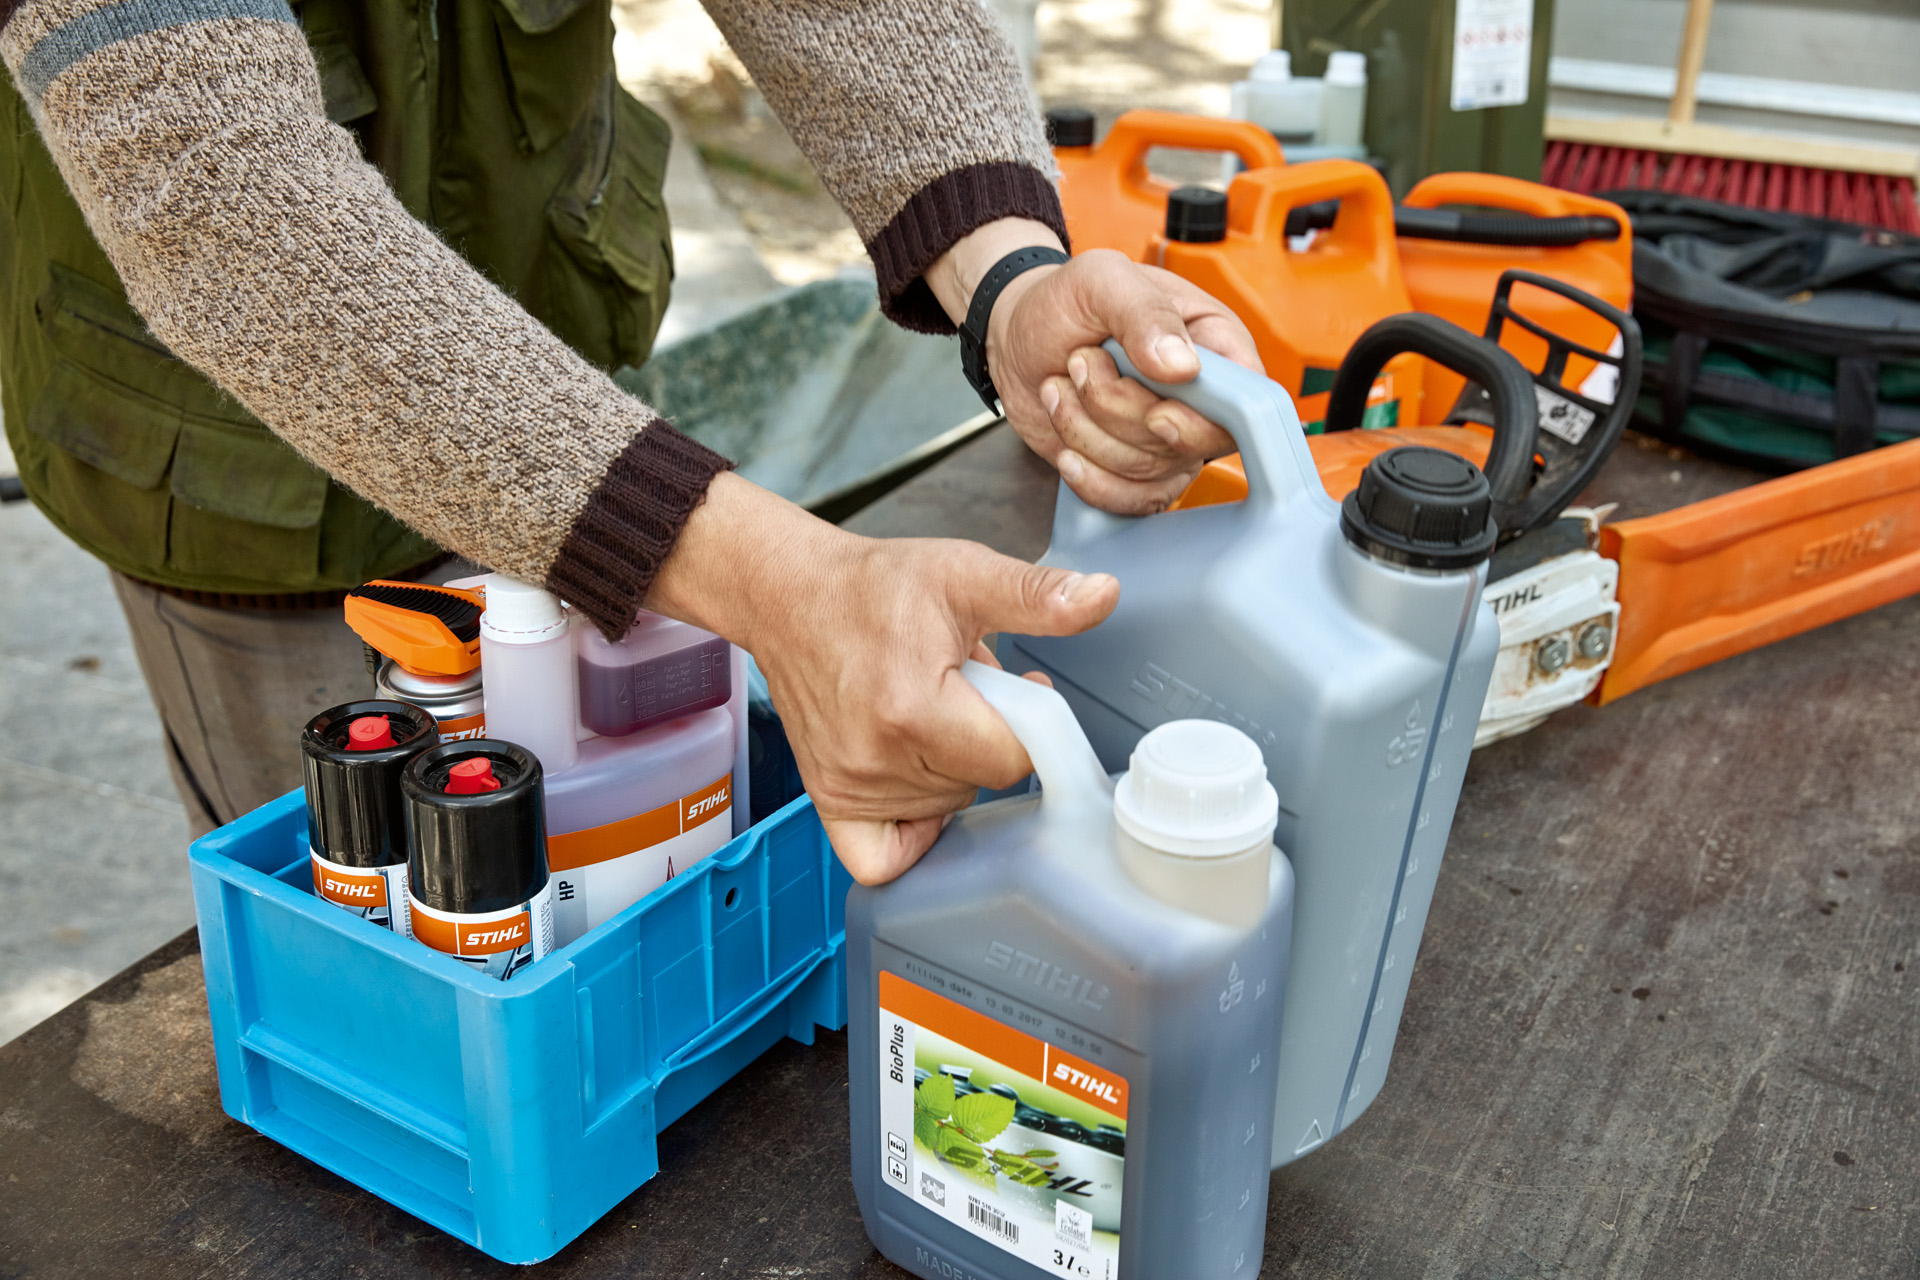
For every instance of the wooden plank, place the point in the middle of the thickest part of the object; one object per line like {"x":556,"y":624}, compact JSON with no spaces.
{"x":1645,"y":134}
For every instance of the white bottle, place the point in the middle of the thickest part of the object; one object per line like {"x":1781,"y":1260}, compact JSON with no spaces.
{"x":526,"y":656}
{"x":1343,"y":103}
{"x":1285,"y":105}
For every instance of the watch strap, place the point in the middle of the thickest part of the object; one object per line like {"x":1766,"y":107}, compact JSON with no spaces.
{"x":973,"y":333}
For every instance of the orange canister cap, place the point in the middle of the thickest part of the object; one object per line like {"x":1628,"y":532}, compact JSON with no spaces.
{"x":427,"y":630}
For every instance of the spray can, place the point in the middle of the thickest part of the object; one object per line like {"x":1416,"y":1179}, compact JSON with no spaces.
{"x":428,"y":642}
{"x":352,"y":757}
{"x":477,"y":855}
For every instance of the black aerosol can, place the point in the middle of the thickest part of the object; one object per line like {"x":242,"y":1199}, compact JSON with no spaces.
{"x":352,"y":757}
{"x":477,"y":855}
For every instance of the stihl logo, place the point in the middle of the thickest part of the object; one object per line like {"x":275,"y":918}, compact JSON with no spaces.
{"x":515,"y":933}
{"x":1041,"y":973}
{"x":1843,"y":548}
{"x":708,"y":804}
{"x":1093,"y":1086}
{"x":1514,"y":599}
{"x":1181,"y":701}
{"x":346,"y":889}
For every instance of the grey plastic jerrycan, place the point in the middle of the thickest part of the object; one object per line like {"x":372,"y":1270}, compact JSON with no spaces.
{"x":1352,"y":644}
{"x":1061,"y":1022}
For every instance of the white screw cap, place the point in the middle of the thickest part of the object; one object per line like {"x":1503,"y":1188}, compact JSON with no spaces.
{"x":1273,"y":67}
{"x":1198,"y":788}
{"x":518,"y":613}
{"x":1347,"y":68}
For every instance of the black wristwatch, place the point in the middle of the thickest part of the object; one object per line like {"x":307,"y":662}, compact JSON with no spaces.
{"x":973,"y":334}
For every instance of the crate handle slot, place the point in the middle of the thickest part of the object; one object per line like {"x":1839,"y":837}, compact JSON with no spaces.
{"x":325,"y":1072}
{"x":720,"y":1034}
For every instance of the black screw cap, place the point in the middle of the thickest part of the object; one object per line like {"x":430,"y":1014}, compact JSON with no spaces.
{"x":1197,"y":215}
{"x":1070,"y":127}
{"x":481,"y":852}
{"x":1423,"y":508}
{"x":354,"y":813}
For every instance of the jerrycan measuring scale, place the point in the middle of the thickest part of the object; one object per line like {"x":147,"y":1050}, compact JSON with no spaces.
{"x":1061,"y":1022}
{"x":1351,"y":642}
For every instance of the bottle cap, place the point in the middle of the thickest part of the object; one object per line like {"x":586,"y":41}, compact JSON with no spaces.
{"x":1346,"y":68}
{"x":1197,"y":788}
{"x":1070,"y":127}
{"x":1197,"y":215}
{"x":1275,"y":67}
{"x":370,"y":733}
{"x":354,"y":812}
{"x":1424,"y":508}
{"x":518,"y":613}
{"x":479,"y":851}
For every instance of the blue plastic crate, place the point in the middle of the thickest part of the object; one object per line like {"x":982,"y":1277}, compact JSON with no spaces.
{"x":510,"y":1114}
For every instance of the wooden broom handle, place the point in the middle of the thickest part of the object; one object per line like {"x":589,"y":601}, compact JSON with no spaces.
{"x":1693,"y":54}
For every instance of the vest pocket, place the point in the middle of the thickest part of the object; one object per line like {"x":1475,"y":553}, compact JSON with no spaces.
{"x":556,"y":54}
{"x":159,"y":471}
{"x":610,"y":290}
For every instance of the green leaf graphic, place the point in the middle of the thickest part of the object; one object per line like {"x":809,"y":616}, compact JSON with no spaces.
{"x":935,"y":1095}
{"x":927,"y":1129}
{"x":952,"y":1143}
{"x":984,"y":1115}
{"x":1039,"y":1153}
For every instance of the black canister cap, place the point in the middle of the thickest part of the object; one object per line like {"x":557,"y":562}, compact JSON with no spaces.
{"x":1424,"y":508}
{"x":1070,"y":127}
{"x":484,"y":850}
{"x":354,"y":813}
{"x":1197,"y":215}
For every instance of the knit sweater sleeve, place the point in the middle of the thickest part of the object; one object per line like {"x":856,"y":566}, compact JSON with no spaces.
{"x":916,"y":116}
{"x":263,"y":250}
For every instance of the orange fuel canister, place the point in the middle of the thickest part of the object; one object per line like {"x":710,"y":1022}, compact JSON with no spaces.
{"x":1305,"y":307}
{"x":1455,"y":278}
{"x":1110,"y":198}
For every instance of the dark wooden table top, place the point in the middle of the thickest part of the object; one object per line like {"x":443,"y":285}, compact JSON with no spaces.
{"x":1665,"y":1023}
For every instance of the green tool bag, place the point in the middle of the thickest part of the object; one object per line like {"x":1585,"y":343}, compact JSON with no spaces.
{"x":1776,"y":340}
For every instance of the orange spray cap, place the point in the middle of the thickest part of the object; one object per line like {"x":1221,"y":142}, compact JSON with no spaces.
{"x":427,"y":630}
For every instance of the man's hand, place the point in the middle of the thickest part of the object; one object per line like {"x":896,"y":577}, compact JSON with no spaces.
{"x":1117,"y":445}
{"x":861,"y":641}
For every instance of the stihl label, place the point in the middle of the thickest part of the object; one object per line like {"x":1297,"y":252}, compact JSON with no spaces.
{"x":601,"y":871}
{"x":463,"y":727}
{"x":371,"y":895}
{"x":498,"y":943}
{"x":1003,"y":1134}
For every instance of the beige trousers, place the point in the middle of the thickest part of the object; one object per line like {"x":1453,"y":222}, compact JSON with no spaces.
{"x":234,"y":687}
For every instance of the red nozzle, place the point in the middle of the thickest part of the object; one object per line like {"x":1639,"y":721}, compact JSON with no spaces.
{"x":472,"y":777}
{"x":369,"y":733}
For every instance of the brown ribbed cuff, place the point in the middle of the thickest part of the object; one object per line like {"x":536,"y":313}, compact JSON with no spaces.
{"x":628,"y":527}
{"x":951,"y":206}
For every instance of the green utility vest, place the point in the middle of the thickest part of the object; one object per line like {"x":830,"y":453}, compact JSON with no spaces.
{"x":497,"y":122}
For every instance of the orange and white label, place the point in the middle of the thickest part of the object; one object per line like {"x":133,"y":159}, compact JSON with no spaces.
{"x":461,"y":728}
{"x":1014,"y":1050}
{"x":574,"y":849}
{"x":1006,"y":1136}
{"x":498,"y":943}
{"x":601,"y":871}
{"x":372,"y":894}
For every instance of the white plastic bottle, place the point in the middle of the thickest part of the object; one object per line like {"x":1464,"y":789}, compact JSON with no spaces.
{"x":1285,"y":105}
{"x":1343,"y":101}
{"x":623,"y":814}
{"x":526,"y":655}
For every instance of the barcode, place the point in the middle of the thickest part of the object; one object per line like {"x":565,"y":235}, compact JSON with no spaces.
{"x":993,"y":1220}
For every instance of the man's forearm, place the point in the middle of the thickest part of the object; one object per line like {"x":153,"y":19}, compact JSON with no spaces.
{"x":263,"y":250}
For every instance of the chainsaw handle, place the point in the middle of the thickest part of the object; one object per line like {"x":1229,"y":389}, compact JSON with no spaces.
{"x":1570,"y":458}
{"x":1515,"y":417}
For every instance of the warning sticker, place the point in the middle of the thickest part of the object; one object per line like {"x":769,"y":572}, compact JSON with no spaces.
{"x":1561,"y":417}
{"x":1492,"y":53}
{"x":1001,"y":1133}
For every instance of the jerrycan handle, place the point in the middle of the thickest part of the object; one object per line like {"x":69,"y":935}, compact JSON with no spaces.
{"x":1070,"y":773}
{"x":1139,"y":131}
{"x":1256,"y":412}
